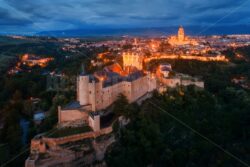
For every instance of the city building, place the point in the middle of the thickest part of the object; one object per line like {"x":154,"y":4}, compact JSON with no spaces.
{"x":32,"y":60}
{"x":132,"y":59}
{"x":181,"y":39}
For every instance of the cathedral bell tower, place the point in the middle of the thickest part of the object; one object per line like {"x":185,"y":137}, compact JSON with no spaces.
{"x":181,"y":34}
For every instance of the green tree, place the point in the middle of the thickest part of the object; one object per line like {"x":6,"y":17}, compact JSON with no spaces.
{"x":153,"y":138}
{"x":120,"y":105}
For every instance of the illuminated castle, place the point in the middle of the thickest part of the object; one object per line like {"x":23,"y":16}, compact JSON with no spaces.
{"x":181,"y":39}
{"x":99,"y":90}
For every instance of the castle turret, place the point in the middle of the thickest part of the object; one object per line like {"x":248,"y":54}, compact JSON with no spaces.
{"x":83,"y":89}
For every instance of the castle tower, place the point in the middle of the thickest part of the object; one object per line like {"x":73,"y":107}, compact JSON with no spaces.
{"x":181,"y":34}
{"x":83,"y":88}
{"x":132,"y":59}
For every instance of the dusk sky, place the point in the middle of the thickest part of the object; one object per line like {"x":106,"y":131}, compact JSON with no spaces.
{"x":43,"y":15}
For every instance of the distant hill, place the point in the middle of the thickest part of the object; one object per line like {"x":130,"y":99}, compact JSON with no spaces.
{"x":154,"y":31}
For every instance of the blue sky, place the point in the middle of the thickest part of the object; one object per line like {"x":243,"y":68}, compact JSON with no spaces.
{"x":44,"y":15}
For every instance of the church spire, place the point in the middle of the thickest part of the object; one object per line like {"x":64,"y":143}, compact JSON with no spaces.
{"x":181,"y":34}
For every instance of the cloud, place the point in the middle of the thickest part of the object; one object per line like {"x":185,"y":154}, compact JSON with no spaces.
{"x":7,"y":19}
{"x":236,"y":18}
{"x":215,"y":5}
{"x":161,"y":18}
{"x":65,"y":14}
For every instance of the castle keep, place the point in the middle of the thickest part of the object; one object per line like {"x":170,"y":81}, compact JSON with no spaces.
{"x":99,"y":90}
{"x":98,"y":94}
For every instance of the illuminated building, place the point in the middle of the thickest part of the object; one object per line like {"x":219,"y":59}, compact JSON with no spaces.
{"x":181,"y":39}
{"x":31,"y":60}
{"x":181,"y":34}
{"x":131,"y":59}
{"x":99,"y":90}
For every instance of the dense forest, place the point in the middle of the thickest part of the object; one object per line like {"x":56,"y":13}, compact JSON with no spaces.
{"x":175,"y":128}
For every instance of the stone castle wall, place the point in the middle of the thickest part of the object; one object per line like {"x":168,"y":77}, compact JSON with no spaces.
{"x":141,"y":86}
{"x":100,"y":97}
{"x":71,"y":115}
{"x":94,"y":122}
{"x":158,"y":56}
{"x":40,"y":145}
{"x":173,"y":82}
{"x":190,"y":82}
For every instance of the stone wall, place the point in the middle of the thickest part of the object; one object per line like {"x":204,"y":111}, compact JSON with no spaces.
{"x":102,"y":97}
{"x":139,"y":87}
{"x":31,"y":161}
{"x":77,"y":137}
{"x":71,"y":115}
{"x":105,"y":96}
{"x":159,"y":56}
{"x":191,"y":82}
{"x":40,"y":145}
{"x":173,"y":82}
{"x":94,"y":122}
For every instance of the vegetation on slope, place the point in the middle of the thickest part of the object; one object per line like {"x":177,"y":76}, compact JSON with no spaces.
{"x":154,"y":138}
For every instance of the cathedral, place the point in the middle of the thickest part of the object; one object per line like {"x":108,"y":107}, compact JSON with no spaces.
{"x":181,"y":39}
